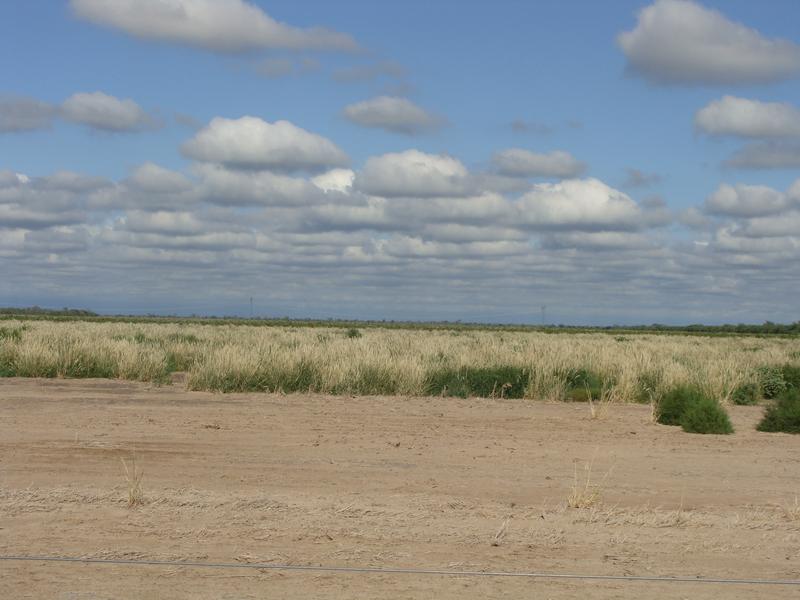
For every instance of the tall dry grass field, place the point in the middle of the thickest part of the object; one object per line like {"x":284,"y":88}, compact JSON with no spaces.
{"x":637,"y":367}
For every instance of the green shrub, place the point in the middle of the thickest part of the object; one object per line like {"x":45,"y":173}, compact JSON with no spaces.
{"x":353,"y":333}
{"x":783,"y":414}
{"x":745,"y":394}
{"x":791,"y":375}
{"x":706,"y":415}
{"x":676,"y":402}
{"x":771,"y":381}
{"x":484,"y":382}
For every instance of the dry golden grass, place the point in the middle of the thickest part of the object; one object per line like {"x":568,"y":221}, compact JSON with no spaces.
{"x":133,"y":479}
{"x":585,"y":493}
{"x":637,"y":368}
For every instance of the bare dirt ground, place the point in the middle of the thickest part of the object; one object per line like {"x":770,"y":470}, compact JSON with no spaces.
{"x":381,"y":482}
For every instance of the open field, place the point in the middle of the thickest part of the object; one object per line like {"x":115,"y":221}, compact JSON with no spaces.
{"x":381,"y":481}
{"x":529,"y":364}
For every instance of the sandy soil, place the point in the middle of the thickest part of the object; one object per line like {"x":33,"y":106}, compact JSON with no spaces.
{"x":398,"y":482}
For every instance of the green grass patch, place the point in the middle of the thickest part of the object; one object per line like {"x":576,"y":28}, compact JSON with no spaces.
{"x":484,"y":382}
{"x":784,"y":414}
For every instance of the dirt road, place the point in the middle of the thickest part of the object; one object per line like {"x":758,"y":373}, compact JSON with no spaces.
{"x":399,"y":482}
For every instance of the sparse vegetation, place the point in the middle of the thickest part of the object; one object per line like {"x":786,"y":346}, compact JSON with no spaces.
{"x":457,"y":362}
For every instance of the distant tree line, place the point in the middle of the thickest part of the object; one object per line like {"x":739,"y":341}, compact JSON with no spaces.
{"x":766,"y":328}
{"x":36,"y":310}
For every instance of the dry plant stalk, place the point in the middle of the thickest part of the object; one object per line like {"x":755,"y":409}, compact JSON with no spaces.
{"x":501,"y":533}
{"x":587,"y":494}
{"x":133,"y":477}
{"x":601,"y":409}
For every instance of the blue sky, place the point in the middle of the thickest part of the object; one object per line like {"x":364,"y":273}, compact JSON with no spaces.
{"x":619,"y":202}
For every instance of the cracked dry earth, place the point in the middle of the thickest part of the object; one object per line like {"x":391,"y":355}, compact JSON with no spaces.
{"x":435,"y":483}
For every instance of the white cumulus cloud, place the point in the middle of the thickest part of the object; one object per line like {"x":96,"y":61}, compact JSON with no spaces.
{"x":579,"y":204}
{"x":151,"y":177}
{"x":19,"y":113}
{"x":518,"y":162}
{"x":102,"y":111}
{"x":746,"y":201}
{"x":252,"y":143}
{"x":771,"y":154}
{"x":217,"y":25}
{"x":390,"y":113}
{"x":337,"y":180}
{"x":413,"y":174}
{"x":748,"y":118}
{"x":682,"y":42}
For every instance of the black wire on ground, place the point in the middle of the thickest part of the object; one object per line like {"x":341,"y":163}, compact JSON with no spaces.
{"x":399,"y":570}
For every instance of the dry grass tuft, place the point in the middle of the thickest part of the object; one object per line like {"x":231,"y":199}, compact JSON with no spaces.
{"x":133,"y":477}
{"x":586,"y":494}
{"x":601,"y":409}
{"x":792,"y":511}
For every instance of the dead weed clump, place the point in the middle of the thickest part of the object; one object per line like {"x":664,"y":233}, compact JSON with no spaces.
{"x":133,"y":479}
{"x":584,"y":493}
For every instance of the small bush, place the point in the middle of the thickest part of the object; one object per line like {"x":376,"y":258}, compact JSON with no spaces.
{"x":783,"y":414}
{"x":745,"y":394}
{"x":791,"y":375}
{"x":676,"y":402}
{"x":353,"y":333}
{"x":706,"y":415}
{"x":771,"y":381}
